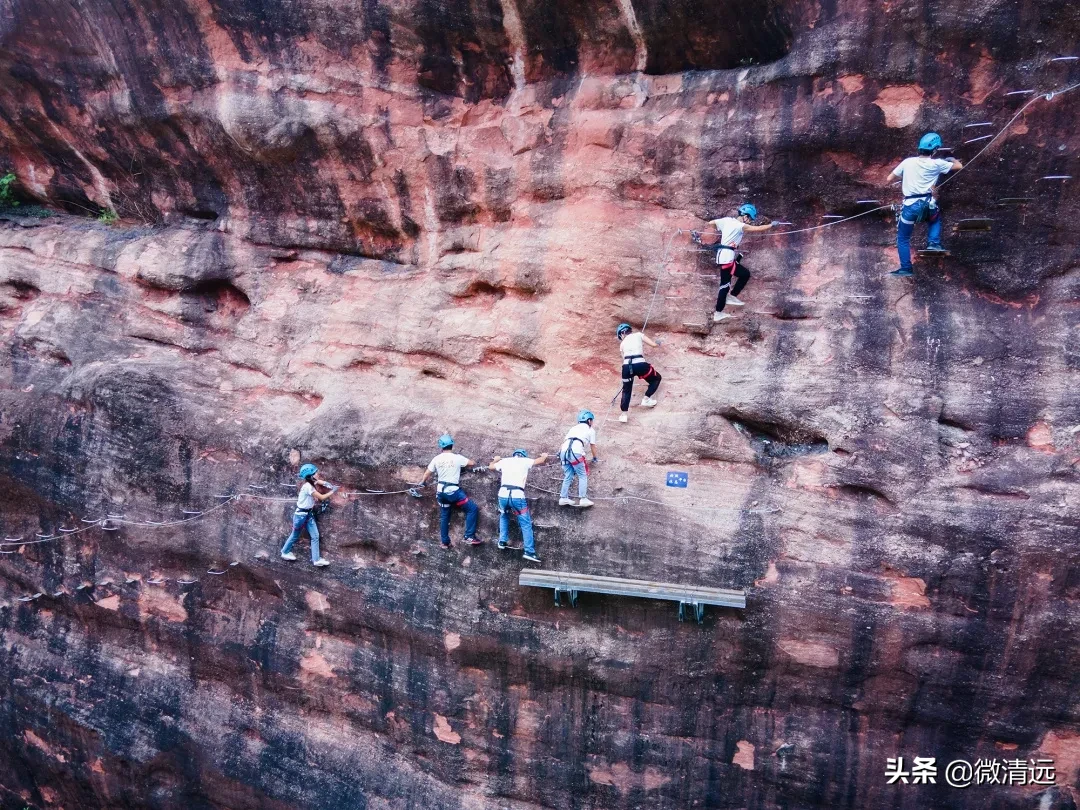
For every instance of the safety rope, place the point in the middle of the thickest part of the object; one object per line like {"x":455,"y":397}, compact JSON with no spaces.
{"x":157,"y":525}
{"x":1050,"y":96}
{"x":659,"y":277}
{"x":827,"y":224}
{"x":668,"y":504}
{"x":648,"y":314}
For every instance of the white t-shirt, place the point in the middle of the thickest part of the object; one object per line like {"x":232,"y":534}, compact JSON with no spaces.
{"x":731,"y":233}
{"x":632,"y":346}
{"x":579,"y":431}
{"x":920,"y":174}
{"x":447,"y":467}
{"x":514,"y":470}
{"x":306,"y":498}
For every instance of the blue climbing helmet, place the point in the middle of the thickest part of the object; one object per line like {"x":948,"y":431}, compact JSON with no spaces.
{"x":520,"y":453}
{"x":585,"y":416}
{"x":748,"y":210}
{"x":445,"y":441}
{"x":930,"y":141}
{"x":622,"y":329}
{"x":307,"y":471}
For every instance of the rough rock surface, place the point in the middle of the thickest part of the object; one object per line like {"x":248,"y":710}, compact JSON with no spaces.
{"x":350,"y":226}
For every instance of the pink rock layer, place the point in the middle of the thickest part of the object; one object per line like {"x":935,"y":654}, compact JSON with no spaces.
{"x":347,"y":228}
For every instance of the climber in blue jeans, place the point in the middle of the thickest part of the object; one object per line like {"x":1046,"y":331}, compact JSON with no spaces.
{"x":919,"y":176}
{"x":515,"y":470}
{"x":304,"y":514}
{"x":446,"y":467}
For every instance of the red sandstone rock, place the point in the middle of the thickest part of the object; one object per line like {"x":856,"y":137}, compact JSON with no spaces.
{"x":348,"y":228}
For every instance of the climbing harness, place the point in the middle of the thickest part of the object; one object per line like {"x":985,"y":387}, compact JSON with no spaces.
{"x":928,"y":194}
{"x":570,"y":457}
{"x":318,"y":510}
{"x":628,"y":363}
{"x":447,"y":490}
{"x":509,"y":508}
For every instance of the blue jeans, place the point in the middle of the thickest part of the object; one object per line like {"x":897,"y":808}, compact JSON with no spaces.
{"x":910,"y":214}
{"x":447,"y":501}
{"x":299,"y":520}
{"x":579,"y":469}
{"x":520,"y":508}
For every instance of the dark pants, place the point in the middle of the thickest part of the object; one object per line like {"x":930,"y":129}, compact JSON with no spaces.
{"x":638,"y":369}
{"x":742,"y":275}
{"x":447,"y":501}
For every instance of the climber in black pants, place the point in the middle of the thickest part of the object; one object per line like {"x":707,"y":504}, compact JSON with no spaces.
{"x":728,"y":258}
{"x":742,"y":275}
{"x":631,"y":345}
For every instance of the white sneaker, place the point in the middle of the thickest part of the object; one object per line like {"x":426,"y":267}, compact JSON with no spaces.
{"x":289,"y":556}
{"x":565,"y":502}
{"x":731,"y":299}
{"x":322,"y":562}
{"x":583,"y":502}
{"x":648,"y":402}
{"x":622,"y":417}
{"x":720,"y":316}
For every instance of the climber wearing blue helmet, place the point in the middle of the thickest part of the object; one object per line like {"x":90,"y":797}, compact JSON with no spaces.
{"x":730,"y":231}
{"x":919,"y":175}
{"x":304,"y":516}
{"x":446,"y":467}
{"x":515,"y":470}
{"x":572,"y":455}
{"x":632,"y":348}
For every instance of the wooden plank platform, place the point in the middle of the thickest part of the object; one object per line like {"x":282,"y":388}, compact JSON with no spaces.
{"x":688,"y":596}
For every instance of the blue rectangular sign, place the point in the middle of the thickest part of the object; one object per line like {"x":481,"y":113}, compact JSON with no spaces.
{"x":677,"y":479}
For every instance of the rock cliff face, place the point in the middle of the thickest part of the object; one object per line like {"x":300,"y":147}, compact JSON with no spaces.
{"x":347,"y":227}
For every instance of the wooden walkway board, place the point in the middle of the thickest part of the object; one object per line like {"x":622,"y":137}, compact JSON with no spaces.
{"x":689,"y":595}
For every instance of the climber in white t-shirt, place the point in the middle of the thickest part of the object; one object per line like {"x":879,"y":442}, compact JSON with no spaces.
{"x":447,"y":470}
{"x":579,"y":439}
{"x":515,"y":471}
{"x":730,"y":231}
{"x":304,"y":515}
{"x":632,"y":348}
{"x":919,"y":176}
